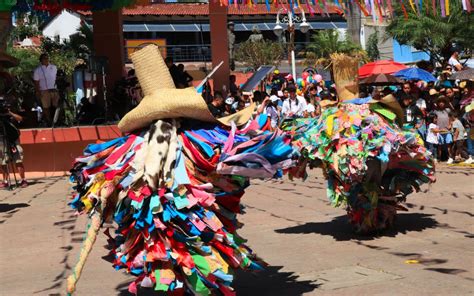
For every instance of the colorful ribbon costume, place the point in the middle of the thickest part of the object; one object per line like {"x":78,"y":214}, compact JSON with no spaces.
{"x":177,"y":214}
{"x":371,"y":164}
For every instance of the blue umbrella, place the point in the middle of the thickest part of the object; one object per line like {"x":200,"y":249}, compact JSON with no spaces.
{"x":415,"y":74}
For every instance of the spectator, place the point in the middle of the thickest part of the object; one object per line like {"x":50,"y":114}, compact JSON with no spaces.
{"x":277,"y":81}
{"x":406,"y":90}
{"x":258,"y":97}
{"x":412,"y":114}
{"x":326,"y":95}
{"x":184,"y":77}
{"x":247,"y":99}
{"x":174,"y":72}
{"x":312,"y":108}
{"x":216,"y":104}
{"x":256,"y":35}
{"x":230,"y":106}
{"x":295,"y":105}
{"x":469,"y":123}
{"x":458,"y":131}
{"x":421,"y":104}
{"x":275,"y":97}
{"x":45,"y":84}
{"x":454,"y":61}
{"x":431,"y":100}
{"x":312,"y":93}
{"x":233,"y":88}
{"x":269,"y":107}
{"x":445,"y":139}
{"x":11,"y":152}
{"x":433,"y":135}
{"x":453,"y":97}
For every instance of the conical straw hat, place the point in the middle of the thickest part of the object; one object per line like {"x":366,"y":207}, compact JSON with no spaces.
{"x":391,"y":103}
{"x":345,"y":76}
{"x":162,"y":100}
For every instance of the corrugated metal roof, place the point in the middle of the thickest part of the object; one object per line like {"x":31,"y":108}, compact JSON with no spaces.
{"x":145,"y":27}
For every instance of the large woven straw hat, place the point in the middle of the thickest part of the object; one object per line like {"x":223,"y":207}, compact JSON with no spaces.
{"x":345,"y":76}
{"x":392,"y":104}
{"x":162,"y":100}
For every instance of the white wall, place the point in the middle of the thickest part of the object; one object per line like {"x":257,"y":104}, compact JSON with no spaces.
{"x":64,"y":24}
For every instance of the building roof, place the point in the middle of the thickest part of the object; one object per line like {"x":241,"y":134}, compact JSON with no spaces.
{"x":202,"y":9}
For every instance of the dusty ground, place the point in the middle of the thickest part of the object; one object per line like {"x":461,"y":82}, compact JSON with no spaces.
{"x":310,"y":248}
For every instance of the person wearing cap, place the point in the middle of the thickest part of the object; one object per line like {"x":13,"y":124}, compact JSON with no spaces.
{"x":277,"y":81}
{"x":431,"y":99}
{"x":289,"y":80}
{"x":269,"y":107}
{"x":230,"y":106}
{"x":295,"y":105}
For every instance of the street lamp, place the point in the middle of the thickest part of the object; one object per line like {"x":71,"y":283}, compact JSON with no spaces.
{"x":291,"y":19}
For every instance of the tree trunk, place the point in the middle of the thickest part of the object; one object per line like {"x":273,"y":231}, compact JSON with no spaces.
{"x":353,"y":22}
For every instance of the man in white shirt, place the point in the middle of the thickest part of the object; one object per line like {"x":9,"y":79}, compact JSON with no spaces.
{"x":45,"y":83}
{"x":295,"y":105}
{"x":454,"y":61}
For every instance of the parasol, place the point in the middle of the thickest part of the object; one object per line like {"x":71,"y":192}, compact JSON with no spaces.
{"x":467,"y":74}
{"x":415,"y":74}
{"x":380,"y":67}
{"x":380,"y":79}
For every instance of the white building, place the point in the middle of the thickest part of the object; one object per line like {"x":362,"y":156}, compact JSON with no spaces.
{"x":63,"y":25}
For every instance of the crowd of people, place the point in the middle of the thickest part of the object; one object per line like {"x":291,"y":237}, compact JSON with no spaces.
{"x":286,"y":99}
{"x":442,"y":116}
{"x":439,"y":110}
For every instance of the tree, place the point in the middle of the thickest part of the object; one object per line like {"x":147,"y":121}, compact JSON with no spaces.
{"x":434,"y":34}
{"x":372,"y":46}
{"x":259,"y":53}
{"x":327,"y":42}
{"x":60,"y":54}
{"x":20,"y":32}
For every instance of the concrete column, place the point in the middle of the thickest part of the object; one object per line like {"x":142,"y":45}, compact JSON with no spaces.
{"x":219,"y":44}
{"x":5,"y":25}
{"x":108,"y":42}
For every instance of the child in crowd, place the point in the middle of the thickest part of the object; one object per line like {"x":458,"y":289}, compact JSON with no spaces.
{"x":432,"y":135}
{"x":458,"y":130}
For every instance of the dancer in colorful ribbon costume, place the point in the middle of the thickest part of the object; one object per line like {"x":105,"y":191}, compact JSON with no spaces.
{"x":371,"y":164}
{"x":173,"y":185}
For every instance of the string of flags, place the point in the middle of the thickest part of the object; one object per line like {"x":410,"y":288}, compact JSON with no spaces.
{"x":378,"y":9}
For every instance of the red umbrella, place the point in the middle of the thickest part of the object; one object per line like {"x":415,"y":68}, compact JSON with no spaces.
{"x":380,"y":67}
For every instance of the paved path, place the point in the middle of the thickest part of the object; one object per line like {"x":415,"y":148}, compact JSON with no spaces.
{"x":307,"y":243}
